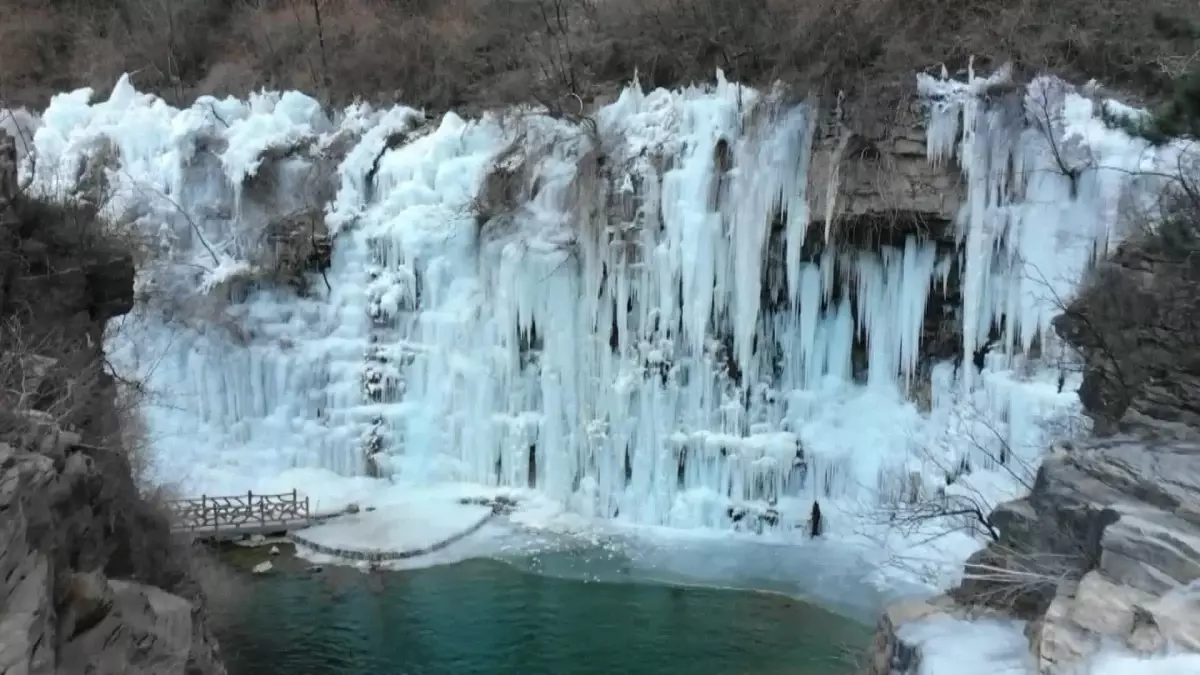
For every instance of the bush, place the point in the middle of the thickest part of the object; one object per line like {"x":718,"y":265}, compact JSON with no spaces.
{"x":1179,"y":113}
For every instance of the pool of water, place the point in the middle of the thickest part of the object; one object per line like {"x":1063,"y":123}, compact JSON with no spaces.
{"x":523,"y":616}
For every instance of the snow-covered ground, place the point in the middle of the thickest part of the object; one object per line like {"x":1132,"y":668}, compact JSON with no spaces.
{"x":404,"y":524}
{"x":577,"y":349}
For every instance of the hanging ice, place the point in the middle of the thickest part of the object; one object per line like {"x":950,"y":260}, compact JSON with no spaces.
{"x":622,"y":313}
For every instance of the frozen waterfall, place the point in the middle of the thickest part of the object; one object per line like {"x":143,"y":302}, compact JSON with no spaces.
{"x":627,"y":314}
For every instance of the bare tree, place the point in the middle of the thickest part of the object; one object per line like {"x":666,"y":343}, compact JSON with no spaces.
{"x":958,"y":505}
{"x":33,"y":381}
{"x":965,"y":475}
{"x":52,"y":382}
{"x":320,"y":80}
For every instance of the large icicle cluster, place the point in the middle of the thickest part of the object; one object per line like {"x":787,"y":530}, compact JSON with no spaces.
{"x":587,"y":309}
{"x":1046,"y":180}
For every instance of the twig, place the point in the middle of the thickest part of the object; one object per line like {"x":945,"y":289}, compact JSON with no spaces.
{"x":178,"y":207}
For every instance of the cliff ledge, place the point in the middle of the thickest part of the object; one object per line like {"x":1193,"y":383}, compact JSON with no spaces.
{"x":91,"y":579}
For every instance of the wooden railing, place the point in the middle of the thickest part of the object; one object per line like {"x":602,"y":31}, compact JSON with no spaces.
{"x":240,"y":514}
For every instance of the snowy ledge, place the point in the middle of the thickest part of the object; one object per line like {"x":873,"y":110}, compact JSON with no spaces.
{"x":411,"y":529}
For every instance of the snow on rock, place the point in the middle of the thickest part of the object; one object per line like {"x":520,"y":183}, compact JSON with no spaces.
{"x":225,"y":271}
{"x":937,"y":637}
{"x":1117,"y":663}
{"x":273,"y":121}
{"x":417,"y":525}
{"x":987,"y":646}
{"x":589,"y":310}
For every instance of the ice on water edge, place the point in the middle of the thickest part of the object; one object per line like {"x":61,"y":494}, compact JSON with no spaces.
{"x":607,"y":341}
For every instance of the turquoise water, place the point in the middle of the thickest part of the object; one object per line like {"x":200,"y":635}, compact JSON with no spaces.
{"x":491,"y":617}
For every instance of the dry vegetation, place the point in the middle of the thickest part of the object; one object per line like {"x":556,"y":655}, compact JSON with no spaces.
{"x":64,"y":270}
{"x":55,"y":289}
{"x":463,"y":53}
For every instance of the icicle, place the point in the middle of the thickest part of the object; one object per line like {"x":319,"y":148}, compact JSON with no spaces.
{"x":833,"y":184}
{"x":796,"y":205}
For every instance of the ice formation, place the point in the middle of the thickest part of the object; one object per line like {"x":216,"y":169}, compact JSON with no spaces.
{"x":614,"y":312}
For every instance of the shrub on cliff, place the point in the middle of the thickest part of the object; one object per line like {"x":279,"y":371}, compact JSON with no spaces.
{"x":1179,"y":114}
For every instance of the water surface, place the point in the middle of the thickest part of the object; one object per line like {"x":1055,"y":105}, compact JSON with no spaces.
{"x":491,"y":617}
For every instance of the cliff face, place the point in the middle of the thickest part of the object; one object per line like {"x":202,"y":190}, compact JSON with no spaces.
{"x":90,"y":577}
{"x":1137,"y":328}
{"x":1127,"y":504}
{"x":84,"y":563}
{"x":1106,"y":547}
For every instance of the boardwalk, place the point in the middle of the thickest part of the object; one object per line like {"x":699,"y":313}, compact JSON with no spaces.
{"x":237,"y":515}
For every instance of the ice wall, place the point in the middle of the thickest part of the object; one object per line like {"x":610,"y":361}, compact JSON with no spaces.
{"x":585,"y":308}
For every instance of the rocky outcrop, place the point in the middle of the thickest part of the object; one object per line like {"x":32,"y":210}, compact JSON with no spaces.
{"x":882,"y":171}
{"x":68,"y":523}
{"x":1137,"y":328}
{"x":1105,"y":550}
{"x":1111,"y":533}
{"x":879,"y":188}
{"x":91,"y":580}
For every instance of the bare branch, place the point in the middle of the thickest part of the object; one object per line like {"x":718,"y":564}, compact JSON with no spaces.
{"x":180,"y":210}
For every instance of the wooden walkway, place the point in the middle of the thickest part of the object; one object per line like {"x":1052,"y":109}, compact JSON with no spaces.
{"x":235,"y":516}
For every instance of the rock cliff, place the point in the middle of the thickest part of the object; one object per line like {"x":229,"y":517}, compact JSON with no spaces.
{"x":91,"y":580}
{"x":1105,"y":550}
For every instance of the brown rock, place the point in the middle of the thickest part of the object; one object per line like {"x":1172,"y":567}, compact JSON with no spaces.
{"x":147,"y":632}
{"x":65,"y":527}
{"x":86,"y":601}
